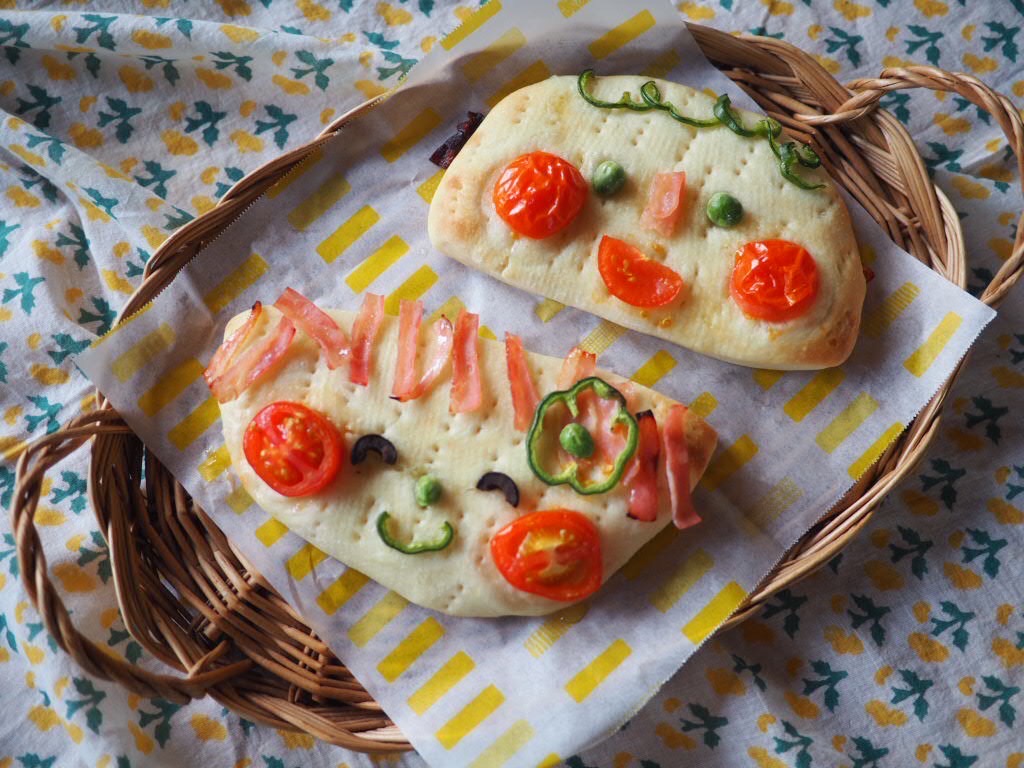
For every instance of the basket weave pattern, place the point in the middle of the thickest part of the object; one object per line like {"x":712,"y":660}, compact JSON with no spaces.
{"x":195,"y":603}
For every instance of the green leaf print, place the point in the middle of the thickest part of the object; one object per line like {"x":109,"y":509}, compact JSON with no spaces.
{"x":120,"y":116}
{"x":278,"y":123}
{"x":3,"y":365}
{"x":184,"y":26}
{"x":828,"y":680}
{"x":957,"y":621}
{"x":916,"y":688}
{"x":156,"y":178}
{"x":100,"y":554}
{"x":377,"y":39}
{"x":867,"y":755}
{"x":55,"y":148}
{"x":47,"y":414}
{"x":8,"y":539}
{"x":233,"y":175}
{"x":6,"y":489}
{"x":945,"y":477}
{"x":897,"y":104}
{"x":106,"y":203}
{"x":104,"y":315}
{"x":869,"y":612}
{"x":987,"y":547}
{"x":25,"y":291}
{"x":167,"y":68}
{"x":30,"y":180}
{"x":132,"y":651}
{"x":1013,"y":490}
{"x":314,"y":66}
{"x":32,"y":760}
{"x":78,"y":242}
{"x":979,"y":113}
{"x":74,"y":488}
{"x":92,"y":62}
{"x":915,"y":548}
{"x":927,"y":39}
{"x":943,"y":156}
{"x":706,"y":722}
{"x":1001,"y":694}
{"x":796,"y":741}
{"x":5,"y":631}
{"x":89,"y":703}
{"x":399,"y":65}
{"x":206,"y":118}
{"x":177,"y":219}
{"x":11,"y":35}
{"x":957,"y":759}
{"x":162,"y":717}
{"x":100,"y":27}
{"x":789,"y":604}
{"x":762,"y":31}
{"x":66,"y":346}
{"x":237,"y":64}
{"x":987,"y":414}
{"x":846,"y":43}
{"x":1003,"y":36}
{"x":40,"y":104}
{"x":740,"y":665}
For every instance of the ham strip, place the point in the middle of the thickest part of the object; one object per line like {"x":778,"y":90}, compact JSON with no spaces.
{"x":315,"y":323}
{"x":410,"y":317}
{"x":578,"y":365}
{"x":364,"y":334}
{"x":254,"y":362}
{"x":677,"y":467}
{"x":641,"y":476}
{"x":467,"y":389}
{"x":665,"y":203}
{"x":524,"y":392}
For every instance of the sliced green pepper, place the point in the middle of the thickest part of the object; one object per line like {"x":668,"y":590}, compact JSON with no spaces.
{"x":447,"y":533}
{"x":570,"y":472}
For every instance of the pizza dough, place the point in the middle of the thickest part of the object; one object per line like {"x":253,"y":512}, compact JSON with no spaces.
{"x":551,"y":116}
{"x":460,"y":579}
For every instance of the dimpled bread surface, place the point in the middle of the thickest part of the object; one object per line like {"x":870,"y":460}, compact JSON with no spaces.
{"x":551,"y":116}
{"x":457,"y":449}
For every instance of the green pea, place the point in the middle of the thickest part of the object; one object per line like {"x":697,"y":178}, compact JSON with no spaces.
{"x":608,"y":178}
{"x":576,"y":440}
{"x":428,"y":490}
{"x":724,"y":210}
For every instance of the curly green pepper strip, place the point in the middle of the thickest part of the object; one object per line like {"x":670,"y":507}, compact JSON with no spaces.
{"x":447,"y":533}
{"x":788,"y":155}
{"x":569,"y":474}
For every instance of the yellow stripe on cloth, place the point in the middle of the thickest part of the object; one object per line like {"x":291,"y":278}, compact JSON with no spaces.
{"x":415,"y":644}
{"x":554,"y":628}
{"x":341,"y":591}
{"x":602,"y":337}
{"x":704,"y":404}
{"x":649,"y":552}
{"x":302,"y":563}
{"x":651,"y":372}
{"x":170,"y":386}
{"x":533,"y":73}
{"x":813,"y":393}
{"x":339,"y":241}
{"x":442,"y":681}
{"x":239,"y":500}
{"x":417,"y":284}
{"x":410,"y":134}
{"x":728,"y":463}
{"x":766,"y":379}
{"x":494,"y":54}
{"x":569,"y":7}
{"x":319,"y":202}
{"x":586,"y":681}
{"x":185,"y":432}
{"x":214,"y":464}
{"x":922,"y":358}
{"x":777,"y":500}
{"x":692,"y":569}
{"x":871,"y":455}
{"x":505,"y":746}
{"x":877,"y":321}
{"x":375,"y":619}
{"x":662,"y":65}
{"x":625,"y":33}
{"x":714,"y":613}
{"x":231,"y":287}
{"x":847,"y":422}
{"x":297,"y":173}
{"x":360,"y":278}
{"x":547,"y":309}
{"x":470,"y":716}
{"x":271,"y":532}
{"x":427,"y":189}
{"x":142,"y":353}
{"x":471,"y":25}
{"x":449,"y":309}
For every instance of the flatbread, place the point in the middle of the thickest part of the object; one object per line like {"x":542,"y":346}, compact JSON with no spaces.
{"x":340,"y":520}
{"x":550,"y":116}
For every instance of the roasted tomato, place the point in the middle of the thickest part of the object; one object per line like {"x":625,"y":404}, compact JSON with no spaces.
{"x":554,"y":553}
{"x":539,"y":194}
{"x":633,"y":278}
{"x":294,"y":449}
{"x":774,"y":280}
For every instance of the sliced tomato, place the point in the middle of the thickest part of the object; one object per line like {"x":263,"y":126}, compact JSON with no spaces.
{"x":539,"y":194}
{"x":635,"y":279}
{"x":315,"y":323}
{"x":555,"y":553}
{"x":410,"y":317}
{"x":225,"y":354}
{"x":641,"y":476}
{"x":677,"y":468}
{"x":467,"y":388}
{"x":578,"y":365}
{"x":774,"y":280}
{"x":524,"y":391}
{"x":253,"y":362}
{"x":665,"y":203}
{"x":294,"y":449}
{"x":364,"y":334}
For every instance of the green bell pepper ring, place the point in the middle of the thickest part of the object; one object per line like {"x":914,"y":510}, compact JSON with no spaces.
{"x":569,"y":474}
{"x":447,"y":533}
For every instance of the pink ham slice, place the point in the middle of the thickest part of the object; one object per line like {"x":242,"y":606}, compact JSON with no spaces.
{"x":665,"y":203}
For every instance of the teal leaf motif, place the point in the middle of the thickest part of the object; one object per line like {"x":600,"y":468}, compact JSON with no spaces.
{"x":278,"y":123}
{"x":943,"y":156}
{"x":3,"y":366}
{"x":12,"y":642}
{"x":55,"y":148}
{"x":398,"y":65}
{"x":120,"y":115}
{"x":89,"y":703}
{"x":11,"y":35}
{"x":1001,"y":694}
{"x":957,"y":759}
{"x":897,"y":103}
{"x":916,"y":688}
{"x":867,"y":755}
{"x":844,"y":42}
{"x":795,"y":741}
{"x":101,"y":555}
{"x":103,"y":315}
{"x":162,"y":717}
{"x":132,"y":651}
{"x":157,"y":177}
{"x":92,"y":61}
{"x":957,"y":621}
{"x":25,"y":291}
{"x":233,"y":175}
{"x":1013,"y":490}
{"x":706,"y":722}
{"x":377,"y":39}
{"x":988,"y":548}
{"x":915,"y":548}
{"x":47,"y":414}
{"x":167,"y":68}
{"x":207,"y":118}
{"x":11,"y":552}
{"x":828,"y":680}
{"x":32,"y":760}
{"x":927,"y":39}
{"x":106,"y":203}
{"x":184,"y":26}
{"x":869,"y":614}
{"x":40,"y":104}
{"x":79,"y":244}
{"x":740,"y":665}
{"x":6,"y":489}
{"x":30,"y":180}
{"x":314,"y":66}
{"x":237,"y":64}
{"x":100,"y":27}
{"x":1004,"y":36}
{"x":945,"y":478}
{"x":987,"y":414}
{"x":179,"y":218}
{"x":788,"y":604}
{"x":74,"y":488}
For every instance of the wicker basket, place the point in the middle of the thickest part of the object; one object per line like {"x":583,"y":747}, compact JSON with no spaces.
{"x":194,"y":602}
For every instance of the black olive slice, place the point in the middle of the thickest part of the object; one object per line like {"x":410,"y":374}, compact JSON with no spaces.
{"x":376,"y":443}
{"x":498,"y":481}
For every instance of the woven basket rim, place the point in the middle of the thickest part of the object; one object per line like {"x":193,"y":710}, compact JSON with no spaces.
{"x":289,"y":679}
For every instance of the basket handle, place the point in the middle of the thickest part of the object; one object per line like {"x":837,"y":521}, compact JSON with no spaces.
{"x":37,"y":458}
{"x":866,"y":97}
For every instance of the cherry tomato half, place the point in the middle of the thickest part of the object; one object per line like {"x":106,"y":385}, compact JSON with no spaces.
{"x":634,"y":278}
{"x":774,"y":280}
{"x":539,"y":194}
{"x":555,"y":553}
{"x":294,"y":449}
